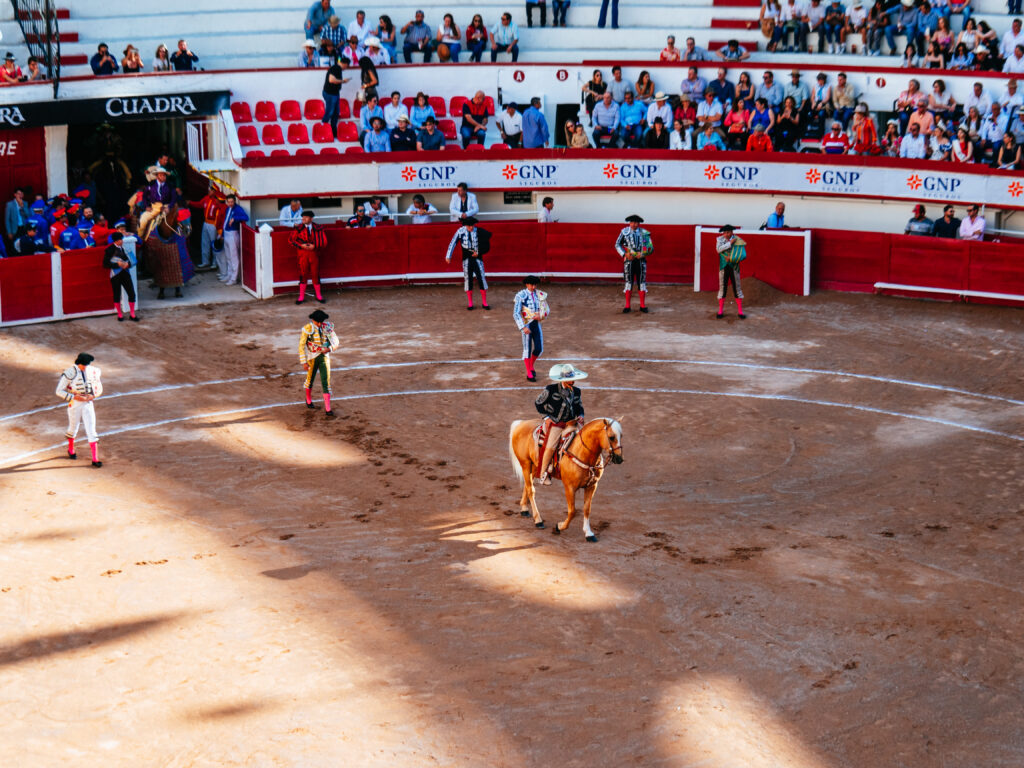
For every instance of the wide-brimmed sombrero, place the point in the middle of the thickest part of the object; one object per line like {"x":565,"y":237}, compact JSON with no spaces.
{"x":566,"y":372}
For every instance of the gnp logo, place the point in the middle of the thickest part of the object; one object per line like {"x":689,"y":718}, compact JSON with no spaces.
{"x":1015,"y":189}
{"x":632,"y":174}
{"x":935,"y":186}
{"x":430,"y":175}
{"x":537,"y":175}
{"x":740,"y":176}
{"x":834,"y":179}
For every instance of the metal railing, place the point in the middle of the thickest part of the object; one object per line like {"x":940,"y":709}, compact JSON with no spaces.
{"x":39,"y":24}
{"x":209,"y":148}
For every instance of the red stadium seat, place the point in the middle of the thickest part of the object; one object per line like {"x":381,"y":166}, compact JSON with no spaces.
{"x":353,"y":150}
{"x":456,"y":107}
{"x":280,"y":153}
{"x":314,"y":109}
{"x":322,"y":134}
{"x":240,"y":112}
{"x":266,"y":112}
{"x":453,"y":147}
{"x":489,"y":103}
{"x":500,"y":146}
{"x":255,"y":153}
{"x":272,"y":134}
{"x":247,"y":136}
{"x":297,"y":133}
{"x":330,"y":151}
{"x":290,"y":111}
{"x":447,"y":128}
{"x":475,"y":146}
{"x":343,"y":111}
{"x":357,"y":106}
{"x":437,"y":102}
{"x":409,"y":102}
{"x":348,"y":132}
{"x":304,"y":151}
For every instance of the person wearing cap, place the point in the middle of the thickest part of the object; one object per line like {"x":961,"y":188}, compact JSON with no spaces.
{"x":317,"y":17}
{"x":948,"y":227}
{"x":102,"y":62}
{"x":78,"y":386}
{"x":308,"y":239}
{"x":417,"y":38}
{"x":429,"y":139}
{"x":420,"y":210}
{"x":973,"y":226}
{"x":377,"y":139}
{"x":308,"y":58}
{"x":33,"y":241}
{"x":402,"y":137}
{"x":561,"y":406}
{"x":535,"y":126}
{"x":10,"y":72}
{"x":37,"y":214}
{"x":468,"y":237}
{"x":731,"y":251}
{"x":183,"y":59}
{"x":510,"y":125}
{"x":800,"y":93}
{"x":919,"y":224}
{"x":75,"y":236}
{"x":120,"y":262}
{"x":529,"y":308}
{"x":634,"y":246}
{"x":316,"y":341}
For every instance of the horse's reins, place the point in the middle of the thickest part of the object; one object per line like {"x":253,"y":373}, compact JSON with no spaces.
{"x":591,"y":468}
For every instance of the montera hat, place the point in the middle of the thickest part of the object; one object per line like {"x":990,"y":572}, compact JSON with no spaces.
{"x":566,"y":372}
{"x":727,"y":228}
{"x":318,"y":316}
{"x":634,"y":217}
{"x":308,"y":213}
{"x":469,"y":221}
{"x":84,"y":358}
{"x":116,"y":237}
{"x":531,"y":280}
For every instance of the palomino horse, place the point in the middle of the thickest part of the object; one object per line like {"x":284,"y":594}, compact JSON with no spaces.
{"x":581,"y":466}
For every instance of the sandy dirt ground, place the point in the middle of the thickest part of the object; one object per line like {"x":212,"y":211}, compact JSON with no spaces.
{"x":810,"y":557}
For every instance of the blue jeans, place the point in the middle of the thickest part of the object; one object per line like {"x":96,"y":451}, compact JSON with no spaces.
{"x":631,"y":134}
{"x":331,"y":104}
{"x":604,"y":14}
{"x":408,"y":48}
{"x":599,"y":132}
{"x":477,"y":48}
{"x":832,"y":32}
{"x":890,"y":38}
{"x":469,"y":136}
{"x":501,"y":49}
{"x":560,"y":7}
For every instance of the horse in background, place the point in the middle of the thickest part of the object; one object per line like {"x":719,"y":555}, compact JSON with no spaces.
{"x":580,"y":466}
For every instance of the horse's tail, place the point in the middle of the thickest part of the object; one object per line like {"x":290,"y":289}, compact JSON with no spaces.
{"x":517,"y":468}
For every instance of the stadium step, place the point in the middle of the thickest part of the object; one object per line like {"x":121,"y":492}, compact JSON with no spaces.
{"x":737,"y":3}
{"x":65,"y":37}
{"x":62,"y":13}
{"x":735,"y":24}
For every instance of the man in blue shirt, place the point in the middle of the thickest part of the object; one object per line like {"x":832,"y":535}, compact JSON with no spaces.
{"x":723,"y":89}
{"x":102,"y":62}
{"x":317,"y":17}
{"x":377,"y":140}
{"x":535,"y":126}
{"x":777,"y":220}
{"x":430,"y":139}
{"x":182,"y":59}
{"x":770,"y":91}
{"x":74,"y":237}
{"x":505,"y":38}
{"x":369,"y":111}
{"x":606,"y":120}
{"x":417,"y":38}
{"x":631,"y":121}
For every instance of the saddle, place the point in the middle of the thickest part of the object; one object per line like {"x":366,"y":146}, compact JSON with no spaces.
{"x":541,"y":442}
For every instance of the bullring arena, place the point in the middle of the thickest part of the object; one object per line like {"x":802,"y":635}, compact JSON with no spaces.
{"x":810,"y":556}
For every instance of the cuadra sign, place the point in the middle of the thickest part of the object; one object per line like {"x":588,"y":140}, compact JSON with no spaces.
{"x":114,"y":109}
{"x":158,"y":105}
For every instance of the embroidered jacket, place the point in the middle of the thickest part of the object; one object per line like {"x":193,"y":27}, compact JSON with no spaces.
{"x":529,"y":306}
{"x":75,"y":381}
{"x":468,"y":240}
{"x":315,"y":236}
{"x":730,"y":252}
{"x":638,"y":242}
{"x":560,"y":404}
{"x":316,"y":340}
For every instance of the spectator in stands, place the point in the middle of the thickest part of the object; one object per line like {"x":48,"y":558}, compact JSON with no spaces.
{"x":350,"y":54}
{"x":920,"y":224}
{"x":420,"y":111}
{"x":769,"y":21}
{"x":670,"y":53}
{"x":183,"y":58}
{"x":606,"y":122}
{"x":910,"y":58}
{"x":327,"y":53}
{"x":535,"y":126}
{"x":961,"y":59}
{"x":291,"y":214}
{"x":559,"y":10}
{"x":770,"y":91}
{"x":984,"y":62}
{"x":723,"y":88}
{"x":362,"y":29}
{"x":962,"y":7}
{"x":1013,"y":37}
{"x":833,"y":26}
{"x":865,"y":135}
{"x":402,"y":137}
{"x":393,"y":110}
{"x":505,"y":37}
{"x":940,"y":101}
{"x":593,"y":91}
{"x":463,"y":203}
{"x":474,"y":120}
{"x":35,"y":72}
{"x":331,"y":93}
{"x":733,"y":51}
{"x":969,"y":34}
{"x":308,"y":58}
{"x":878,"y":25}
{"x":709,"y":112}
{"x":476,"y":38}
{"x":973,"y":227}
{"x":979,"y":98}
{"x":1011,"y":98}
{"x":317,"y":17}
{"x":972,"y":122}
{"x":16,"y":215}
{"x":693,"y":86}
{"x":694,"y":52}
{"x":376,"y":209}
{"x":576,"y":136}
{"x":369,"y":111}
{"x":530,"y":5}
{"x":943,"y":35}
{"x":1008,"y":156}
{"x":334,"y":31}
{"x":759,"y":141}
{"x":420,"y":210}
{"x":962,"y":150}
{"x":891,"y":141}
{"x":908,"y":19}
{"x":449,"y":36}
{"x":709,"y":139}
{"x":992,"y":131}
{"x":375,"y":52}
{"x":632,"y":122}
{"x":359,"y":219}
{"x":835,"y":142}
{"x":922,"y":118}
{"x":161,"y":59}
{"x":429,"y":139}
{"x":788,"y":126}
{"x":679,"y":138}
{"x":855,"y":23}
{"x":844,"y":99}
{"x":644,"y":88}
{"x":544,"y":213}
{"x":813,"y":20}
{"x":510,"y":125}
{"x":735,"y":124}
{"x":762,"y":115}
{"x":657,"y":137}
{"x":1015,"y":63}
{"x":33,"y":241}
{"x":368,"y":79}
{"x":800,"y":92}
{"x":102,"y":62}
{"x":939,"y":145}
{"x":617,"y":86}
{"x":659,"y":108}
{"x":386,"y":33}
{"x":777,"y":218}
{"x":1014,"y":7}
{"x":132,"y":62}
{"x":821,"y":104}
{"x":745,"y":91}
{"x":604,"y":14}
{"x":791,"y":18}
{"x":948,"y":227}
{"x":933,"y":57}
{"x":913,"y":145}
{"x":906,"y":102}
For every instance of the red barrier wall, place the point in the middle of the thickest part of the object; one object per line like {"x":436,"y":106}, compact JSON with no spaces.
{"x":848,"y":261}
{"x":85,"y":284}
{"x":25,"y":288}
{"x":248,"y":258}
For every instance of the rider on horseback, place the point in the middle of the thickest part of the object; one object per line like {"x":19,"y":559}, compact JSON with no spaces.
{"x":561,"y":405}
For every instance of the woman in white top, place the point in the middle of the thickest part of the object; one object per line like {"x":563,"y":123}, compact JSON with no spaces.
{"x":769,"y":20}
{"x":678,"y":139}
{"x":162,"y":60}
{"x":449,"y":34}
{"x":940,"y":101}
{"x":969,"y":35}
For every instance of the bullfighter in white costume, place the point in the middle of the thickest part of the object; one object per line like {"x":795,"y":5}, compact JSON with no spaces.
{"x":79,"y":385}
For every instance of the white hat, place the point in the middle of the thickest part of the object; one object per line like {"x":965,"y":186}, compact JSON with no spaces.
{"x":659,"y":96}
{"x":309,"y":44}
{"x":159,"y":169}
{"x":566,"y":372}
{"x":373,"y":41}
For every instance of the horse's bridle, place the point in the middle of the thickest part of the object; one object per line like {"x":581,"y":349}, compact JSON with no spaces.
{"x":599,"y":464}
